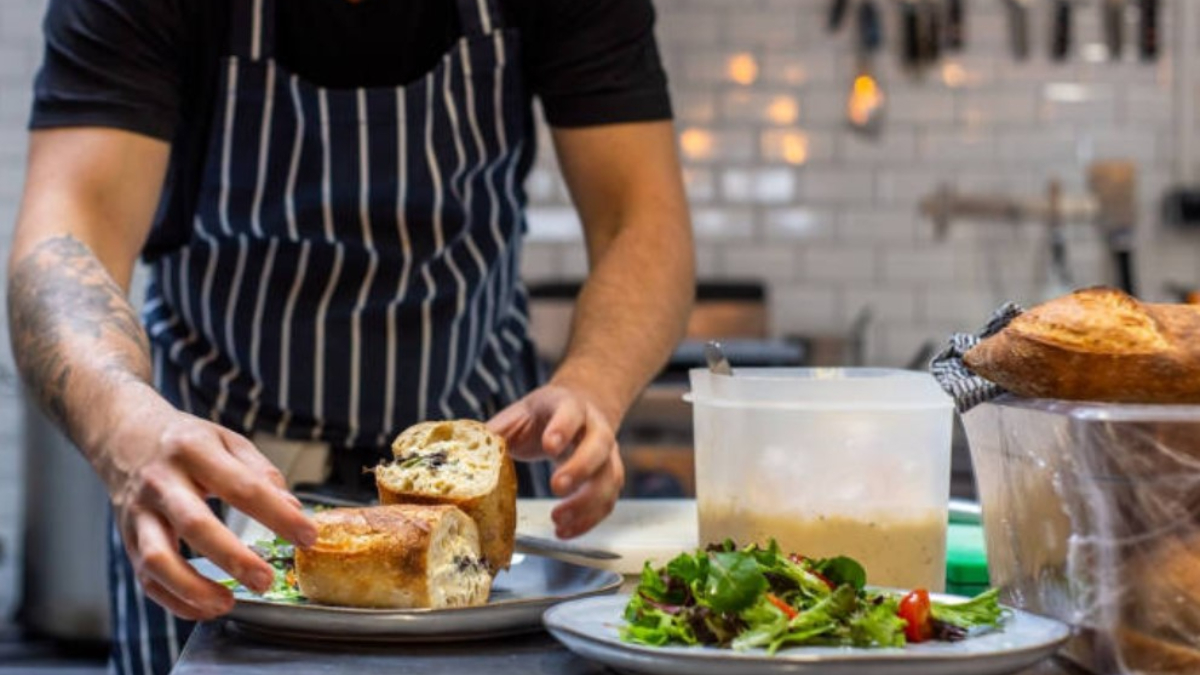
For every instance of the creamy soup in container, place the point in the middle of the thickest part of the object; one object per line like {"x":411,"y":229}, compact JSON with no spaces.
{"x":828,"y":461}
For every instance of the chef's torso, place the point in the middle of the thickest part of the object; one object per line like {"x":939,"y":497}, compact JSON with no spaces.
{"x":352,"y":265}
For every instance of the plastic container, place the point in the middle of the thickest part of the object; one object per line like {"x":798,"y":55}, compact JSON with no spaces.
{"x":828,"y":461}
{"x":1091,"y":515}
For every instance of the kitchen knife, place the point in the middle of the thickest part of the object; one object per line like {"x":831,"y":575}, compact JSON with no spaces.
{"x":1148,"y":30}
{"x":1018,"y":28}
{"x":931,"y":33}
{"x":837,"y":14}
{"x":1060,"y":36}
{"x":956,"y":28}
{"x":910,"y":29}
{"x":1113,"y":17}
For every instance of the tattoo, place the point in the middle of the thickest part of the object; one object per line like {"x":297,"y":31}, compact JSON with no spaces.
{"x":66,"y":313}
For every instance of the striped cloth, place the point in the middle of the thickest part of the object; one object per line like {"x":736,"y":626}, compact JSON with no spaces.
{"x":967,"y":388}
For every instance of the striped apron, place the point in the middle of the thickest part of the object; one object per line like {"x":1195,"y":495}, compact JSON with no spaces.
{"x":352,"y":267}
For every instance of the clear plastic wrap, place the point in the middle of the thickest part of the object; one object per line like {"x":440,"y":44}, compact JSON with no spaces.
{"x":1092,"y":516}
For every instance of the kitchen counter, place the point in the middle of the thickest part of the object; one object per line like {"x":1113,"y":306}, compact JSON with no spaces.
{"x":217,"y":648}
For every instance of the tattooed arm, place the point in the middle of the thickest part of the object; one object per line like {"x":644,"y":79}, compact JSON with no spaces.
{"x":89,"y":199}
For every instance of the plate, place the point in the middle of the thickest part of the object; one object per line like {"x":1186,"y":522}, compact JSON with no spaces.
{"x":589,"y":626}
{"x":519,"y":597}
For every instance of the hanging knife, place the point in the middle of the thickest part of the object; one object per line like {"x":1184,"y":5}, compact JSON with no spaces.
{"x":1113,"y":16}
{"x":956,"y":26}
{"x":1060,"y":37}
{"x":1148,"y":30}
{"x":1018,"y":28}
{"x":910,"y":31}
{"x":837,"y":13}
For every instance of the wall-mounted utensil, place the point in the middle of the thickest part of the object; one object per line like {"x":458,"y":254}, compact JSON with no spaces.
{"x":956,"y":25}
{"x":1060,"y":32}
{"x":1148,"y":42}
{"x":837,"y":14}
{"x":865,"y":106}
{"x":1113,"y":19}
{"x":1018,"y":28}
{"x":931,"y":31}
{"x":910,"y":35}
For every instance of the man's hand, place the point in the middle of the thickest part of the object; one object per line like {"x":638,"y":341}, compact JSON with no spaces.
{"x":160,"y":465}
{"x":561,"y":423}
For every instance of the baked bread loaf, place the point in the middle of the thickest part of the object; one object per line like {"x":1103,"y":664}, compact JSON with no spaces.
{"x":1096,"y":344}
{"x":462,"y":463}
{"x":406,"y":556}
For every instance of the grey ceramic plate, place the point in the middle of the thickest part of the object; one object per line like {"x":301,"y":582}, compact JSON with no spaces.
{"x":519,"y":597}
{"x":588,"y":627}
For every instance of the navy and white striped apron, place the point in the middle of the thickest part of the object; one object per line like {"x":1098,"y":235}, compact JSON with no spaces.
{"x":352,"y":267}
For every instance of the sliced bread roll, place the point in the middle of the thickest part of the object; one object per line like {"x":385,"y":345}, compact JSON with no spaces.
{"x":457,"y":462}
{"x":404,"y":557}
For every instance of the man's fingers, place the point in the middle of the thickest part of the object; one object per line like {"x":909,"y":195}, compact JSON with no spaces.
{"x":152,"y":549}
{"x":225,"y":477}
{"x":593,"y":450}
{"x":168,"y":601}
{"x":591,"y":503}
{"x":241,"y":448}
{"x":195,"y":523}
{"x":564,"y":427}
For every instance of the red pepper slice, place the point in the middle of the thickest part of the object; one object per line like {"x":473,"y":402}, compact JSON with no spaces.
{"x":917,"y":615}
{"x":783,"y":606}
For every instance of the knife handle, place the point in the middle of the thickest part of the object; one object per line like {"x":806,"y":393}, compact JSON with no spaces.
{"x":1060,"y":39}
{"x":956,"y":28}
{"x":1148,"y":31}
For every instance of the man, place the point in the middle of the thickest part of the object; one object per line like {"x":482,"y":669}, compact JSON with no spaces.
{"x":328,"y":198}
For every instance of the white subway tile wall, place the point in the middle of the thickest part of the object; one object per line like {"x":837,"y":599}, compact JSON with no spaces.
{"x":777,"y":179}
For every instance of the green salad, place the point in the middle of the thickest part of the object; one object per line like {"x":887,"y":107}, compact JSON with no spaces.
{"x":751,"y":597}
{"x":280,"y":554}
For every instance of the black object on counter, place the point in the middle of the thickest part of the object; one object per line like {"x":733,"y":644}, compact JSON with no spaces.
{"x":910,"y":29}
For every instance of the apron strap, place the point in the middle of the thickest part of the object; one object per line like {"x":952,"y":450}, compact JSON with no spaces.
{"x":252,"y":29}
{"x":478,"y":17}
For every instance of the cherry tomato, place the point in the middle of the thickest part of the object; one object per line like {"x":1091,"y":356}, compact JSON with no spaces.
{"x":915,"y":610}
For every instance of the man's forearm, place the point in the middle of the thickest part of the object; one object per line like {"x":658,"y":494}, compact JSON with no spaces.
{"x":76,"y":339}
{"x":632,"y":311}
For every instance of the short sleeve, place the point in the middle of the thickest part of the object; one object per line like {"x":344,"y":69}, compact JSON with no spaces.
{"x":112,"y":63}
{"x":597,"y":62}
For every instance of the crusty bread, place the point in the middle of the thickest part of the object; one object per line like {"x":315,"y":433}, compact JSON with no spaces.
{"x":1096,"y":344}
{"x":403,"y":556}
{"x":457,"y":462}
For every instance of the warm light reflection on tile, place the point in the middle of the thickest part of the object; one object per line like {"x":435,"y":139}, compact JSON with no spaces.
{"x":783,"y":110}
{"x":743,"y":68}
{"x":696,"y":143}
{"x":953,"y":74}
{"x":794,"y":147}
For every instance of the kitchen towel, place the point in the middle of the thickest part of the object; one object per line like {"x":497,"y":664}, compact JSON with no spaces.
{"x":966,"y":388}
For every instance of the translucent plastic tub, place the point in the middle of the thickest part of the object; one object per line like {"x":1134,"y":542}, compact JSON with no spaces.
{"x":829,"y":462}
{"x":1092,"y":515}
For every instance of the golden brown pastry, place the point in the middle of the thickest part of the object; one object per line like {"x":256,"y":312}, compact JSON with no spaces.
{"x":405,"y":556}
{"x":462,"y":463}
{"x":1096,"y":344}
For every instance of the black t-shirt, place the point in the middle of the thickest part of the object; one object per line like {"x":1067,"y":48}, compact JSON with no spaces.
{"x":151,"y":66}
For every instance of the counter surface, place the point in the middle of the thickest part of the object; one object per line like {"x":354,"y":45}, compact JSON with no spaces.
{"x":216,"y":647}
